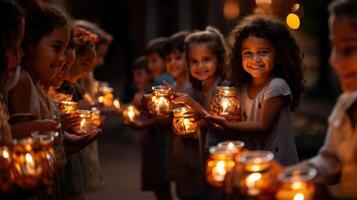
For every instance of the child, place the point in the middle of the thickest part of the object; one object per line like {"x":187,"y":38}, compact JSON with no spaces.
{"x":142,"y":79}
{"x":266,"y":66}
{"x":206,"y":54}
{"x":155,"y":53}
{"x":336,"y":161}
{"x":11,"y":34}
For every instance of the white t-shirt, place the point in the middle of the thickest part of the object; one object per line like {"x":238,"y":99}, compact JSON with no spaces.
{"x":280,"y":140}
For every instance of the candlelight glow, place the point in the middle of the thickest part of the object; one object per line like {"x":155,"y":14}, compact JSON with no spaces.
{"x":293,"y":21}
{"x":299,"y":196}
{"x":101,"y":99}
{"x":83,"y":122}
{"x":131,"y":113}
{"x":225,"y":104}
{"x":5,"y":154}
{"x":219,"y":171}
{"x":116,"y":104}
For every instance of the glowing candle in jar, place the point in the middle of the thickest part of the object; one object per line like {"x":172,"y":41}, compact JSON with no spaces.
{"x":27,"y":166}
{"x":184,"y":122}
{"x":67,"y":107}
{"x":160,"y":104}
{"x":100,"y":99}
{"x":6,"y":176}
{"x":258,"y":175}
{"x":220,"y":163}
{"x":86,"y":124}
{"x":130,"y":113}
{"x":96,"y":117}
{"x":296,"y":183}
{"x":225,"y":103}
{"x":117,"y":104}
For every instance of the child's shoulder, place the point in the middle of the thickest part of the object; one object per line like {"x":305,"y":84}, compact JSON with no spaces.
{"x":277,"y":86}
{"x":278,"y":83}
{"x":23,"y":84}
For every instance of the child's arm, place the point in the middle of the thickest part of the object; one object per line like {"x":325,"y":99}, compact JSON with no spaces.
{"x":184,"y":98}
{"x":271,"y":109}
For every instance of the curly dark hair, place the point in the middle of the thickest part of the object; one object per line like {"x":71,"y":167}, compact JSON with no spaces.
{"x":216,"y":41}
{"x":10,"y":17}
{"x":288,"y":60}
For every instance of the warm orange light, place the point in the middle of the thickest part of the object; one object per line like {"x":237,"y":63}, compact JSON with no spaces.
{"x":231,"y":9}
{"x":293,"y":21}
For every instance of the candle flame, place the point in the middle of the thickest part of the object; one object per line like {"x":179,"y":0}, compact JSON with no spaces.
{"x":5,"y":154}
{"x":219,"y":171}
{"x":83,"y":121}
{"x":252,"y":179}
{"x":116,"y":104}
{"x":299,"y":196}
{"x":231,"y":146}
{"x":101,"y":99}
{"x":29,"y":158}
{"x":131,"y":113}
{"x":297,"y":185}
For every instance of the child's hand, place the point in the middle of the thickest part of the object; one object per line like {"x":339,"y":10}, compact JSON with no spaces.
{"x":183,"y":98}
{"x":47,"y":125}
{"x":69,"y":121}
{"x":218,"y":120}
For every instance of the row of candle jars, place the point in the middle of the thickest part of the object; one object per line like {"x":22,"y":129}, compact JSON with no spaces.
{"x":184,"y":122}
{"x":225,"y":103}
{"x":27,"y":163}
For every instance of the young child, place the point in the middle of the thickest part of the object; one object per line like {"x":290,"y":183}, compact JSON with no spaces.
{"x":44,"y":45}
{"x":206,"y":55}
{"x":142,"y":79}
{"x":11,"y":34}
{"x":266,"y":66}
{"x":155,"y":53}
{"x":336,"y":161}
{"x":205,"y":52}
{"x":185,"y":151}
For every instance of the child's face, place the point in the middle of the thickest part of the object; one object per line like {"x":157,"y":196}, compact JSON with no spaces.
{"x":156,"y":64}
{"x":101,"y":52}
{"x":64,"y":74}
{"x":176,"y":63}
{"x":82,"y":64}
{"x":258,"y":57}
{"x":48,"y":57}
{"x":141,"y":78}
{"x":14,"y":54}
{"x":202,"y":61}
{"x":343,"y":58}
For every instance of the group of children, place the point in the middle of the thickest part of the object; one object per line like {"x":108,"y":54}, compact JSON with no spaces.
{"x":46,"y":57}
{"x":266,"y":69}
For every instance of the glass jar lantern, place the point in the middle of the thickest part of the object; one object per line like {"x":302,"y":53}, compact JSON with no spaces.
{"x":160,"y":104}
{"x":67,"y":107}
{"x":225,"y":103}
{"x":296,"y":183}
{"x":86,"y":124}
{"x":184,"y":122}
{"x":257,"y":175}
{"x":219,"y":164}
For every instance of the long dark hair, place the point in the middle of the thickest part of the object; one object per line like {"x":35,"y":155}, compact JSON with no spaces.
{"x":10,"y":17}
{"x":215,"y":40}
{"x":288,"y":58}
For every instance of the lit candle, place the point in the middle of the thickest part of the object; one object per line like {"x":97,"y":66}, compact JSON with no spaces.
{"x":160,"y":104}
{"x":100,"y":99}
{"x":86,"y":125}
{"x":96,"y":117}
{"x":225,"y":103}
{"x":296,"y":183}
{"x":117,"y":104}
{"x":220,"y":163}
{"x":67,"y":107}
{"x":130,"y":113}
{"x":6,"y":177}
{"x":258,"y":176}
{"x":184,"y":122}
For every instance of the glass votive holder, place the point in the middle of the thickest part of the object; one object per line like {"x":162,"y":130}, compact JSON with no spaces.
{"x":67,"y":107}
{"x":296,"y":183}
{"x":96,"y":117}
{"x":225,"y":103}
{"x":219,"y":164}
{"x":86,"y":124}
{"x":27,"y":163}
{"x":184,"y":122}
{"x":6,"y":173}
{"x":160,"y":104}
{"x":257,"y":176}
{"x":47,"y":155}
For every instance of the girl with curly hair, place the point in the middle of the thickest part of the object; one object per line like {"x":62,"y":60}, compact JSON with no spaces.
{"x":266,"y":68}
